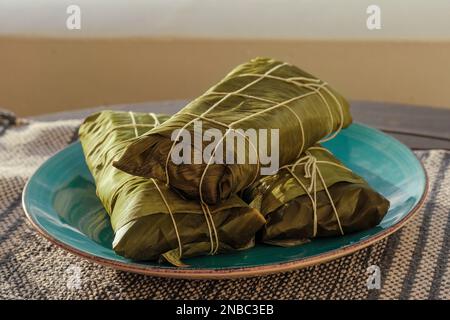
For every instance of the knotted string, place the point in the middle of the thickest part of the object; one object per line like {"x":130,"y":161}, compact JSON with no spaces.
{"x":312,"y":171}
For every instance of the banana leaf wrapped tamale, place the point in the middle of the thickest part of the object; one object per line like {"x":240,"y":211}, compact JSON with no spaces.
{"x":260,"y":94}
{"x":149,"y":219}
{"x":317,"y":196}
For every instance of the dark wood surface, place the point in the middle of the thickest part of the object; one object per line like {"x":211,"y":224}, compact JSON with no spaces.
{"x":419,"y":127}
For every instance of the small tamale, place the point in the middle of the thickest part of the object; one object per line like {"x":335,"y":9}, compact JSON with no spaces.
{"x":149,"y":219}
{"x":316,"y":196}
{"x":260,"y":94}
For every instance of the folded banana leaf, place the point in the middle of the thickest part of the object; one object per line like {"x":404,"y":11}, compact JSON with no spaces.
{"x":315,"y":197}
{"x":149,"y":219}
{"x":260,"y":94}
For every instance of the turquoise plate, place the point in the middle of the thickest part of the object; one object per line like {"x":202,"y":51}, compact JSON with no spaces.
{"x":60,"y":201}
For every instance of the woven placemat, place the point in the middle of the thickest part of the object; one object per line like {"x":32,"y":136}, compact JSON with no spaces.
{"x":413,"y":262}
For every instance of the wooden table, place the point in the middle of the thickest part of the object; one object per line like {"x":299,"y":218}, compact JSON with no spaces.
{"x":419,"y":127}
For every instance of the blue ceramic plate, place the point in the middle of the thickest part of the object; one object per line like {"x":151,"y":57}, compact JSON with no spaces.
{"x":60,"y":201}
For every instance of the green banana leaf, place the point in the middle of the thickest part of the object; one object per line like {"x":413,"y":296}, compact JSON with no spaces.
{"x":149,"y":219}
{"x":257,"y":87}
{"x":288,"y":209}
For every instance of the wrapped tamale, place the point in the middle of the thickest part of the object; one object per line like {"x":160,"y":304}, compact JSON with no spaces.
{"x":316,"y":196}
{"x":149,"y":219}
{"x":262,"y":94}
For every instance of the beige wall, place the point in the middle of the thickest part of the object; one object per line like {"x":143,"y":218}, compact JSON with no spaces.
{"x":51,"y":75}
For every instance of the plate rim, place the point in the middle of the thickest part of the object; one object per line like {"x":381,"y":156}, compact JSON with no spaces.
{"x":228,"y":273}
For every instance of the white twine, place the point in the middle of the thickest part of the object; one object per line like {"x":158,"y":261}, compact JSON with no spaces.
{"x":312,"y":170}
{"x":180,"y":247}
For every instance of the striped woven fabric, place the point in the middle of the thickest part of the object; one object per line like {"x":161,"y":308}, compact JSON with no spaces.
{"x":414,"y":262}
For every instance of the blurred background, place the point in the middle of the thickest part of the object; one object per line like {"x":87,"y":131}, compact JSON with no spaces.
{"x":136,"y":51}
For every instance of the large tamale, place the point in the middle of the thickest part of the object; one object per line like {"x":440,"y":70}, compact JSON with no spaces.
{"x":260,"y":94}
{"x":149,"y":219}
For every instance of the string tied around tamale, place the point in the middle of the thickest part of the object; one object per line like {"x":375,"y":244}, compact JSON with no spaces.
{"x":206,"y":211}
{"x":312,"y":171}
{"x":315,"y":85}
{"x":226,"y":96}
{"x":166,"y":203}
{"x":133,"y":125}
{"x":231,"y":125}
{"x":211,"y":228}
{"x":172,"y":217}
{"x":311,"y":83}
